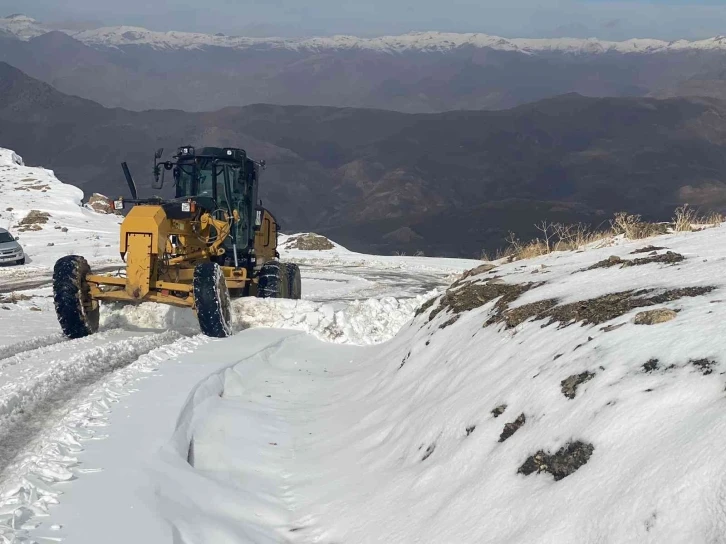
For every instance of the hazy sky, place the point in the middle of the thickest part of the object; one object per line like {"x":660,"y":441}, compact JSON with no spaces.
{"x":665,"y":19}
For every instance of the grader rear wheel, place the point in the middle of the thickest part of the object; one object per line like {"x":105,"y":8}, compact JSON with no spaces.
{"x":273,"y":281}
{"x":78,"y":314}
{"x":294,"y":281}
{"x":212,"y":300}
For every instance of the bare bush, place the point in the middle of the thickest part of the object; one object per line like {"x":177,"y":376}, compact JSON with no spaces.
{"x":555,"y":237}
{"x":684,"y":218}
{"x":634,"y":228}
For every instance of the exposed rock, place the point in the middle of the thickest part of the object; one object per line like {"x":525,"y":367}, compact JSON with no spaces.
{"x":647,"y":249}
{"x":596,"y":310}
{"x":669,"y":257}
{"x":101,"y":204}
{"x":486,"y":267}
{"x":567,"y":460}
{"x":429,"y":451}
{"x":309,"y":242}
{"x":651,"y":366}
{"x":569,"y":385}
{"x":513,"y":427}
{"x":499,"y":410}
{"x":704,"y":365}
{"x":653,"y":317}
{"x":425,"y":306}
{"x":474,"y":295}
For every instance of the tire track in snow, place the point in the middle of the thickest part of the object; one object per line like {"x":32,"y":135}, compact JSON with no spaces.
{"x":27,"y":345}
{"x":26,"y":407}
{"x":44,"y":345}
{"x":37,"y":279}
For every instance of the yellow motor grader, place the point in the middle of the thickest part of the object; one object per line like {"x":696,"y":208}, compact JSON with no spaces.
{"x":210,"y":243}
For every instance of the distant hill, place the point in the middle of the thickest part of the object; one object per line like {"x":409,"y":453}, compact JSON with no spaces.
{"x":425,"y":72}
{"x":447,"y":184}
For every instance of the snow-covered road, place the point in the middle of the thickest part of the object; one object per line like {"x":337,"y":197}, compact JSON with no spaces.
{"x":82,"y":421}
{"x":57,"y":394}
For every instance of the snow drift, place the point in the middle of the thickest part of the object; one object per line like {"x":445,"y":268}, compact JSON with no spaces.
{"x":524,"y":405}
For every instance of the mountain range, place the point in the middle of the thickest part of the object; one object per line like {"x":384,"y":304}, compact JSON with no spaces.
{"x":428,"y":72}
{"x":450,"y":183}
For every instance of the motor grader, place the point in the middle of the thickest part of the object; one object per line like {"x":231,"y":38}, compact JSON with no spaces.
{"x":212,"y":242}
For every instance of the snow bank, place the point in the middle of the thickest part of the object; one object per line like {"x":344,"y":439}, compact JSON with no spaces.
{"x":363,"y":322}
{"x":341,"y":256}
{"x":538,"y":412}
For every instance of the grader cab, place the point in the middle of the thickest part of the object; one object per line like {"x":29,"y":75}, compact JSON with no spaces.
{"x":209,"y":244}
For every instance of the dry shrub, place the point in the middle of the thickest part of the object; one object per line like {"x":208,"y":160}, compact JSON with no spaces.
{"x":555,"y":237}
{"x":712,"y":218}
{"x":634,"y":228}
{"x":684,"y":218}
{"x":560,"y":237}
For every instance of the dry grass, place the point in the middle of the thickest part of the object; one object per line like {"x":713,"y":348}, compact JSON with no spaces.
{"x":713,"y":218}
{"x":687,"y":219}
{"x":555,"y":237}
{"x":634,"y":228}
{"x":559,"y":237}
{"x":33,"y":221}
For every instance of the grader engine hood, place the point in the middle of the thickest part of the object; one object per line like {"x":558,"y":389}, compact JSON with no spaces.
{"x":144,"y":234}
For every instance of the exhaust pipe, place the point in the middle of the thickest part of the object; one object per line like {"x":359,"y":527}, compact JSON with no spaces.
{"x":130,"y":181}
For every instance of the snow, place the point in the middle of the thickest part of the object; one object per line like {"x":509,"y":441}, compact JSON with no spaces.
{"x":341,"y":256}
{"x":343,"y":418}
{"x":26,"y":28}
{"x":56,"y":395}
{"x":24,"y":188}
{"x":22,"y":27}
{"x":414,"y":41}
{"x":306,"y":441}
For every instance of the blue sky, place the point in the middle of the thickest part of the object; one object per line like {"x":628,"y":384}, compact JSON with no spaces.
{"x":608,"y":19}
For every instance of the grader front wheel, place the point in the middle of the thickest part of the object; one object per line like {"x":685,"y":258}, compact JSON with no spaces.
{"x":78,"y":314}
{"x":212,"y":300}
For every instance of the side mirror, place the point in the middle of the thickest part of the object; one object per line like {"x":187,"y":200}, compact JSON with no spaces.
{"x":158,"y":178}
{"x":159,"y":153}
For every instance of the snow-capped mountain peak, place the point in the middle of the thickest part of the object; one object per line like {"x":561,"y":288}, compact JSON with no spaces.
{"x":22,"y":27}
{"x":26,"y":28}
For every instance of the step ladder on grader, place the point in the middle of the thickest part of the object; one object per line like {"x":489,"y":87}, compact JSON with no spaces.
{"x":209,"y":244}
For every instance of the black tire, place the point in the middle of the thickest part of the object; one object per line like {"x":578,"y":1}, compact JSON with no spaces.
{"x":212,"y":301}
{"x":294,"y":281}
{"x":20,"y":261}
{"x":273,"y":280}
{"x":77,"y":313}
